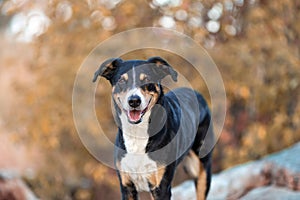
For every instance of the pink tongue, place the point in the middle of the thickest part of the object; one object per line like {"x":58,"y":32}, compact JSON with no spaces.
{"x":134,"y":115}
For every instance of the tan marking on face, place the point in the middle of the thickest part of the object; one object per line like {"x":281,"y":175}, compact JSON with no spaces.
{"x":151,"y":95}
{"x":119,"y":97}
{"x":142,"y":76}
{"x":158,"y":63}
{"x":109,"y":65}
{"x":156,"y":177}
{"x":125,"y":76}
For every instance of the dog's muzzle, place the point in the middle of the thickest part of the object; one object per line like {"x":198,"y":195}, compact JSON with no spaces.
{"x":134,"y":101}
{"x":135,"y":112}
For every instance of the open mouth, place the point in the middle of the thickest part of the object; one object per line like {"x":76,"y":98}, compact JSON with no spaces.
{"x":135,"y":115}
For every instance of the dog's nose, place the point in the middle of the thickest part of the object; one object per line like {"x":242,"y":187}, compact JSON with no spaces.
{"x":134,"y":101}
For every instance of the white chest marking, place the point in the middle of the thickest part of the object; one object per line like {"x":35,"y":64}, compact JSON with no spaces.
{"x":139,"y":168}
{"x":136,"y":163}
{"x":135,"y":135}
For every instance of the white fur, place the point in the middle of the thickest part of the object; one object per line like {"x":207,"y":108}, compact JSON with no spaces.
{"x":135,"y":135}
{"x":136,"y":162}
{"x":139,"y":167}
{"x":133,"y":75}
{"x":132,"y":92}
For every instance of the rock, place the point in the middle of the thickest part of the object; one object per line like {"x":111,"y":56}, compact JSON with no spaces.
{"x":271,"y":193}
{"x":286,"y":168}
{"x":185,"y":191}
{"x":276,"y":176}
{"x":13,"y":188}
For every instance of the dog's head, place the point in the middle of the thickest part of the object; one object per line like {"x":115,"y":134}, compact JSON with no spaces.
{"x":136,"y":83}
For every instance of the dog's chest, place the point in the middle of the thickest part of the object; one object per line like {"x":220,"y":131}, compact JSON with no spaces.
{"x":135,"y":141}
{"x":139,"y":168}
{"x":136,"y":164}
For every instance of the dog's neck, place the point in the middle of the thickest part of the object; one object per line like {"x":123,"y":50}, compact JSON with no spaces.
{"x":135,"y":135}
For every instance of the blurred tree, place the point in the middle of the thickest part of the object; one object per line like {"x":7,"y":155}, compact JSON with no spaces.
{"x":254,"y":43}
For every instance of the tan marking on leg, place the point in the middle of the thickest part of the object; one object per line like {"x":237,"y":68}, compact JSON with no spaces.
{"x":156,"y":177}
{"x":191,"y":164}
{"x":130,"y":197}
{"x":125,"y":179}
{"x":201,"y":183}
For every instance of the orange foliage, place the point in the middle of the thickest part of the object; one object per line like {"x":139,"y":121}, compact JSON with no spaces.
{"x":257,"y":50}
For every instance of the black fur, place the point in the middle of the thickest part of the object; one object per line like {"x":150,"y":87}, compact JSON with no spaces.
{"x":185,"y":115}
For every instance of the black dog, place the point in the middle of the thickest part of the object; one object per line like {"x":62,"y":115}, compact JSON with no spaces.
{"x":156,"y":131}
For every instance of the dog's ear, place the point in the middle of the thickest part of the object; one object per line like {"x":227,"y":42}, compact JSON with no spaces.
{"x":108,"y":68}
{"x":163,"y":67}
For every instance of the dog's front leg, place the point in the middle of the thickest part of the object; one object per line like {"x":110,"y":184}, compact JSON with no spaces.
{"x":160,"y":182}
{"x":129,"y":192}
{"x":163,"y":192}
{"x":128,"y":189}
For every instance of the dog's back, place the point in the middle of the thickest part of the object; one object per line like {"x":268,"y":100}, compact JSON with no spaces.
{"x":157,"y":131}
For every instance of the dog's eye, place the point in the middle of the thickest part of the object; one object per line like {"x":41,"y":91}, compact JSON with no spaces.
{"x":122,"y":81}
{"x":146,"y":80}
{"x":151,"y":88}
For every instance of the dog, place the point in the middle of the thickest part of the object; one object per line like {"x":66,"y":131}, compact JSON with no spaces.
{"x":156,"y":131}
